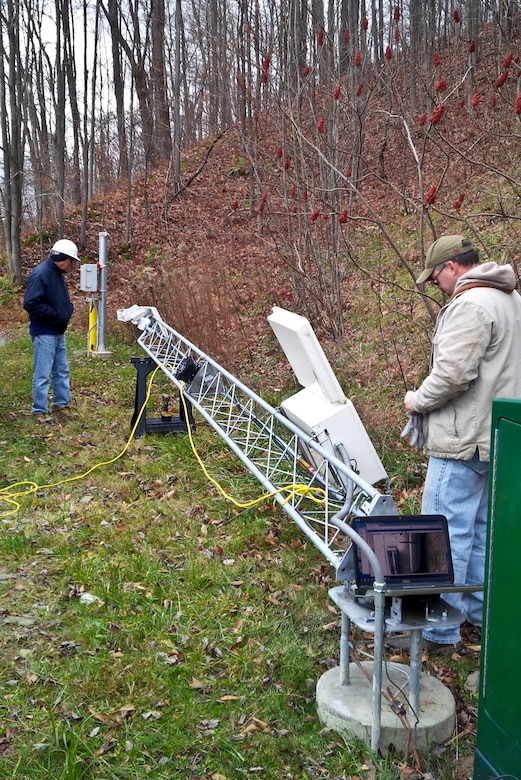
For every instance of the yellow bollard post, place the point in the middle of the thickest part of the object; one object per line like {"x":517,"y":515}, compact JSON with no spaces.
{"x":93,"y":326}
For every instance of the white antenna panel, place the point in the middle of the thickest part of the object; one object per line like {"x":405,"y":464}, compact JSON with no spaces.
{"x":304,"y":353}
{"x":321,"y":409}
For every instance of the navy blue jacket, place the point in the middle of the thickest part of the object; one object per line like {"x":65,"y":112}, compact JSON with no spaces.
{"x":47,"y":301}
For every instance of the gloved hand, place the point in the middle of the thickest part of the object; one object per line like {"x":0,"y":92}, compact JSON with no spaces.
{"x":414,"y":429}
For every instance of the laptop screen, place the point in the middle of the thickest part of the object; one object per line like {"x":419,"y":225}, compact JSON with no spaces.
{"x":413,"y":551}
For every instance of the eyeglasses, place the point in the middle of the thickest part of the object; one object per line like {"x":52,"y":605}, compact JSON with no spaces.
{"x":434,"y":279}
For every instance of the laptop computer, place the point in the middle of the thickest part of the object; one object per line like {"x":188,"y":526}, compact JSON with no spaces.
{"x":413,"y":551}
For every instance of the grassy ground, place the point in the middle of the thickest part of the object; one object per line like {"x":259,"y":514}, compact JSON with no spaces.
{"x":149,"y":628}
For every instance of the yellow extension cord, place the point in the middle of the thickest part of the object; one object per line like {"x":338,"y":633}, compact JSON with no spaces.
{"x":9,"y":494}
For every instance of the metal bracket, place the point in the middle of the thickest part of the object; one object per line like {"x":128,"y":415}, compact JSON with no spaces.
{"x":163,"y":424}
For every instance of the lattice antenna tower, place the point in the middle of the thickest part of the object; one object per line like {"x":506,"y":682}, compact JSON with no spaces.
{"x":312,"y":453}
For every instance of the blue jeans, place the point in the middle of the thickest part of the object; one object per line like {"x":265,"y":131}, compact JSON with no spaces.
{"x":50,"y":364}
{"x":458,"y":489}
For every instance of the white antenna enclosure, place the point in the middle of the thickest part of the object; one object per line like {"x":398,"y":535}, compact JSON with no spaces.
{"x":321,"y":408}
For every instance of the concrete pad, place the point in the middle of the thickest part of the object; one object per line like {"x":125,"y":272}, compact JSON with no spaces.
{"x":348,"y":709}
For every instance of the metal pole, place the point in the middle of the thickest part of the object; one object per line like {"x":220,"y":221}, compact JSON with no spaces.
{"x":345,"y":650}
{"x":103,"y":254}
{"x":415,"y":653}
{"x":379,"y":620}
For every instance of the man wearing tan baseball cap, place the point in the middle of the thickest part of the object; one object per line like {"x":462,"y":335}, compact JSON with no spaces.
{"x":444,"y":249}
{"x":476,"y":348}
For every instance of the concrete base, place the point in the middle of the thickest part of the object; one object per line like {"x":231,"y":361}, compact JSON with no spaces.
{"x":348,"y":709}
{"x":101,"y":353}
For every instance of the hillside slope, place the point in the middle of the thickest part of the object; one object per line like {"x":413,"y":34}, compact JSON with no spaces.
{"x":216,"y":259}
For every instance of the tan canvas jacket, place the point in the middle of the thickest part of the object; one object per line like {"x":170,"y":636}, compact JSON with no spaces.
{"x":476,"y":357}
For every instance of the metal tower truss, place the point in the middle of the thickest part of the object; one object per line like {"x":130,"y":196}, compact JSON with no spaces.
{"x":322,"y":498}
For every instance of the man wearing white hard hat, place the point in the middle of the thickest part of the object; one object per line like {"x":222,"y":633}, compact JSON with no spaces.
{"x":49,"y":307}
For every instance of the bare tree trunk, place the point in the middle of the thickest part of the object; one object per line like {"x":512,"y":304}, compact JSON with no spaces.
{"x":128,"y":214}
{"x":189,"y":129}
{"x":87,"y":136}
{"x":344,"y":48}
{"x":70,"y":75}
{"x":357,"y":67}
{"x":201,"y":87}
{"x":59,"y":115}
{"x":473,"y":25}
{"x":297,"y":47}
{"x":177,"y":99}
{"x":320,"y":39}
{"x":225,"y":68}
{"x":158,"y":83}
{"x":415,"y":51}
{"x":245,"y":91}
{"x":38,"y":135}
{"x":11,"y":105}
{"x":136,"y":52}
{"x":218,"y":72}
{"x":119,"y":91}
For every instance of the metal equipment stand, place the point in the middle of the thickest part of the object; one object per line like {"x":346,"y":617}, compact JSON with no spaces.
{"x":164,"y":424}
{"x":298,"y":459}
{"x":378,"y":614}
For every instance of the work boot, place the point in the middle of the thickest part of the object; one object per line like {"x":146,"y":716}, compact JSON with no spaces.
{"x":63,"y":412}
{"x":43,"y":417}
{"x":398,"y":643}
{"x":401,"y":644}
{"x":438,"y":648}
{"x":471,"y":633}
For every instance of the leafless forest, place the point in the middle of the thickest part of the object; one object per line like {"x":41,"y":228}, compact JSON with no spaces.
{"x":355,"y":107}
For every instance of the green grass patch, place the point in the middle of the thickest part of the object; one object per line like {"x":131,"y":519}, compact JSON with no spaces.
{"x":151,"y":628}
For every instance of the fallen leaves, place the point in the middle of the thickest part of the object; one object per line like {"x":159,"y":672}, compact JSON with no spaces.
{"x":24,"y":621}
{"x":151,"y":715}
{"x":208,"y":725}
{"x":251,"y":726}
{"x":117,"y":716}
{"x":331,"y":626}
{"x":5,"y":740}
{"x":109,"y":744}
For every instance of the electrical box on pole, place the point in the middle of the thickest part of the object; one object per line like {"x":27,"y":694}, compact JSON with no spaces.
{"x":93,"y":280}
{"x":89,"y":278}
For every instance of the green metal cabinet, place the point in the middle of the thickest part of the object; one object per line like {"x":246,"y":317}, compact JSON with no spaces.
{"x":498,"y":749}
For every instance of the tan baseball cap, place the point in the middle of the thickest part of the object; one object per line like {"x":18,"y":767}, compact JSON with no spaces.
{"x":444,"y":249}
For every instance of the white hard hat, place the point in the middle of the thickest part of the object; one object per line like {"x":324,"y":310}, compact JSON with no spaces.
{"x":66,"y":247}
